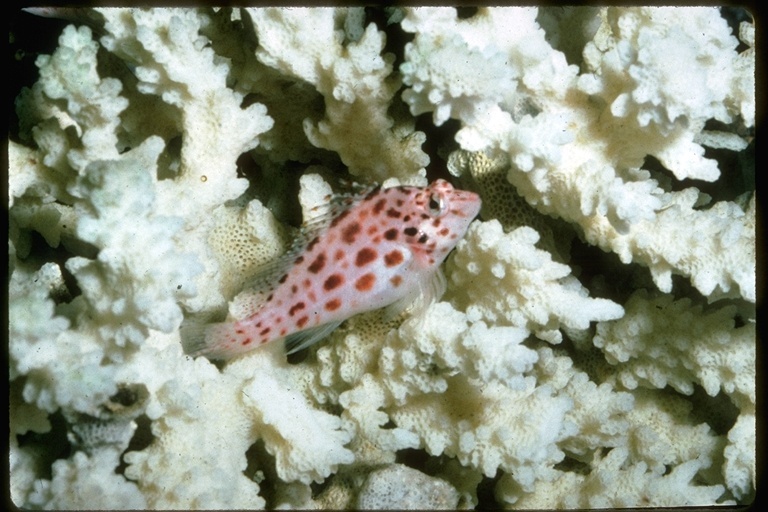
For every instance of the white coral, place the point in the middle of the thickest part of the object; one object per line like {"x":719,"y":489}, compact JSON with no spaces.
{"x":503,"y":278}
{"x":355,"y":82}
{"x":87,"y":482}
{"x":615,"y":484}
{"x":661,"y":342}
{"x":739,"y":469}
{"x":307,"y":443}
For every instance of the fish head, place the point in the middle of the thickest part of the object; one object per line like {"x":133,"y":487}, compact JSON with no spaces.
{"x":441,"y":215}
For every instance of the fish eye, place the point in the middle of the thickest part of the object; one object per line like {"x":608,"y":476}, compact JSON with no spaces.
{"x":435,"y":204}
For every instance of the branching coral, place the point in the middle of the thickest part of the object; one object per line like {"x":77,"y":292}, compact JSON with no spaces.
{"x":658,"y":343}
{"x":502,"y":278}
{"x":164,"y":155}
{"x":575,"y":155}
{"x":355,"y":80}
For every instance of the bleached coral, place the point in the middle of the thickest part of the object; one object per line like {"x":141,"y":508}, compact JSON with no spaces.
{"x":504,"y":279}
{"x":615,"y":484}
{"x":661,"y":342}
{"x":356,"y":82}
{"x":740,"y":457}
{"x":576,"y":155}
{"x":163,"y":155}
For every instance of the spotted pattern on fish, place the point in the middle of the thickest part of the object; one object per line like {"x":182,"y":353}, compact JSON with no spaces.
{"x":369,"y":255}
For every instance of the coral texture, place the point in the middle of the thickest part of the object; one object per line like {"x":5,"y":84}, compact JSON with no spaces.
{"x":595,"y":345}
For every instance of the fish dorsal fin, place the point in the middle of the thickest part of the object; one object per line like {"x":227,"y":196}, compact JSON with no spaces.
{"x":336,"y":204}
{"x":303,"y":339}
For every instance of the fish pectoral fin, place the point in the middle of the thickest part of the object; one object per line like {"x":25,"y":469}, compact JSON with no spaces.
{"x":428,"y":290}
{"x":303,"y":339}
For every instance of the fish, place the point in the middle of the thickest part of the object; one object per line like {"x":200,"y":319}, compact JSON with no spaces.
{"x":382,"y":249}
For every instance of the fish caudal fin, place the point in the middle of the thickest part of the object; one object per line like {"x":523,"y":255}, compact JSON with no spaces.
{"x":214,"y":341}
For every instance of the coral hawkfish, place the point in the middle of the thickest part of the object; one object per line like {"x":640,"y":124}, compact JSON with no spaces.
{"x":382,"y":248}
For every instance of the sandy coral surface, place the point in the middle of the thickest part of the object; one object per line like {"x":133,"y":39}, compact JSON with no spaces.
{"x":594,"y":346}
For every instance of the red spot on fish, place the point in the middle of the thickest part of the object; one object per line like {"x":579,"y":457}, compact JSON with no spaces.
{"x":400,"y":202}
{"x":339,"y":255}
{"x":307,"y":283}
{"x":395,"y":214}
{"x":301,"y":322}
{"x":313,"y":243}
{"x":444,"y":231}
{"x":296,"y":307}
{"x":406,"y":218}
{"x":349,"y":233}
{"x":411,"y":231}
{"x":365,"y":256}
{"x":282,"y":279}
{"x":294,"y":289}
{"x":395,"y":280}
{"x":265,"y":331}
{"x":372,"y":230}
{"x":333,"y":281}
{"x":333,"y":305}
{"x":393,"y":258}
{"x":422,"y":239}
{"x":283,"y":331}
{"x":390,"y":234}
{"x":365,"y":282}
{"x":247,"y":341}
{"x":339,"y":218}
{"x":298,"y":260}
{"x":318,"y":264}
{"x":379,"y":206}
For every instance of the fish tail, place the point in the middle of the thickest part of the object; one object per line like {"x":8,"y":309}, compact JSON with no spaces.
{"x":214,"y":341}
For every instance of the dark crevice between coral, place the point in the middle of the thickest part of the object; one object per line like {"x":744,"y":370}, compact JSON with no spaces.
{"x":718,"y":411}
{"x":737,"y":172}
{"x":48,"y":446}
{"x":486,"y":493}
{"x":29,"y":37}
{"x":602,"y":273}
{"x":168,"y":161}
{"x":436,"y":135}
{"x":263,"y":185}
{"x":734,"y":16}
{"x":573,"y":465}
{"x":41,"y":253}
{"x":397,"y":38}
{"x":413,"y":458}
{"x":466,"y":12}
{"x":261,"y":469}
{"x":140,"y":440}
